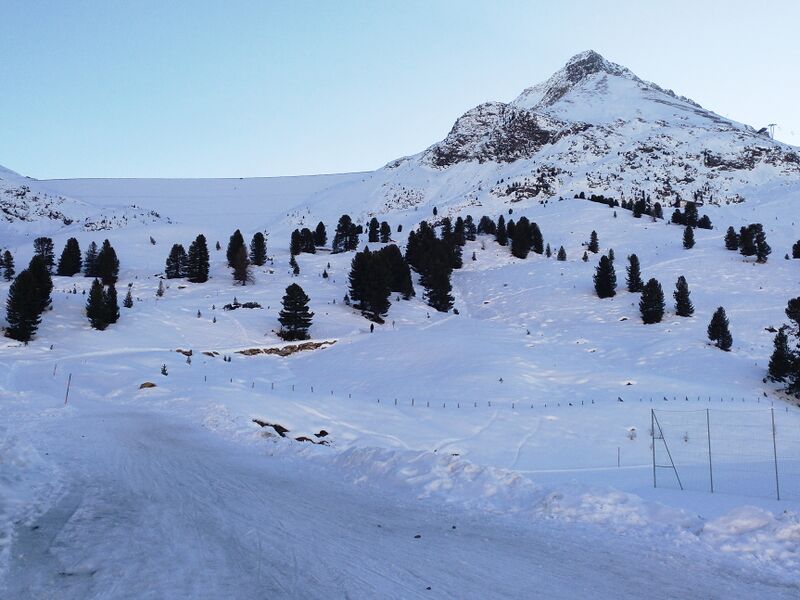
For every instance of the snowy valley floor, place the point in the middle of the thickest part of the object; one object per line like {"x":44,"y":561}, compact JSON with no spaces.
{"x":151,"y":505}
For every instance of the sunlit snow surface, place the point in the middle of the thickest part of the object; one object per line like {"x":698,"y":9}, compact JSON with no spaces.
{"x":507,"y":421}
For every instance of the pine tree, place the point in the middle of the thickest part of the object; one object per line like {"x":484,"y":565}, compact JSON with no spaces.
{"x":486,"y":226}
{"x":611,"y":255}
{"x":747,"y":241}
{"x":651,"y":304}
{"x":683,"y":303}
{"x":386,"y":232}
{"x":307,"y":241}
{"x":95,"y":306}
{"x":70,"y":262}
{"x":160,"y":289}
{"x":658,"y":211}
{"x":197,"y":260}
{"x":22,"y":308}
{"x":510,"y":228}
{"x":718,"y":331}
{"x":521,"y":238}
{"x":594,"y":245}
{"x":548,"y":252}
{"x":470,"y":230}
{"x":793,"y":378}
{"x":605,"y":278}
{"x":459,"y":233}
{"x":436,"y":281}
{"x":374,"y":230}
{"x":258,"y":249}
{"x":690,"y":214}
{"x":42,"y":281}
{"x":234,"y":244}
{"x":241,"y":267}
{"x":295,"y":318}
{"x":782,"y":362}
{"x":688,"y":237}
{"x":107,"y":265}
{"x":320,"y":235}
{"x":176,"y":265}
{"x":704,"y":222}
{"x":562,"y":254}
{"x":763,"y":249}
{"x":398,"y":272}
{"x":90,"y":261}
{"x":128,"y":301}
{"x":8,"y":266}
{"x":634,"y":278}
{"x":43,"y":246}
{"x":295,"y":243}
{"x":110,"y":306}
{"x":731,"y":239}
{"x":585,"y":257}
{"x":369,"y":285}
{"x":501,"y":234}
{"x":537,"y":243}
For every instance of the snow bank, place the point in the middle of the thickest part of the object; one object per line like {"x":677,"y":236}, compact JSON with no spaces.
{"x":28,"y":482}
{"x":746,"y":532}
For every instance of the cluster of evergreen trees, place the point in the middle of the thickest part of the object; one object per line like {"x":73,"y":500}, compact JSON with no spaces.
{"x":101,"y":306}
{"x":750,"y":241}
{"x":784,"y":364}
{"x":28,"y":297}
{"x":346,"y":237}
{"x":239,"y":259}
{"x":639,"y":206}
{"x":378,"y":232}
{"x":102,"y":264}
{"x":690,"y":217}
{"x":374,"y":276}
{"x":302,"y":240}
{"x":193,"y":265}
{"x":434,"y":259}
{"x":651,"y":303}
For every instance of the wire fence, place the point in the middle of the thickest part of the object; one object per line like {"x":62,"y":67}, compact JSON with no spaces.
{"x":746,"y":452}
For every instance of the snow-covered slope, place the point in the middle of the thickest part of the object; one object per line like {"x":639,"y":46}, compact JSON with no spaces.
{"x":27,"y":206}
{"x":525,"y":403}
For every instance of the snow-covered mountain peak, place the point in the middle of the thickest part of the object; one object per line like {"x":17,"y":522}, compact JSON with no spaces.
{"x":595,"y":126}
{"x":586,"y":67}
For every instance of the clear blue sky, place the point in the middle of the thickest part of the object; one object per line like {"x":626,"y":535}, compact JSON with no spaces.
{"x":113,"y":88}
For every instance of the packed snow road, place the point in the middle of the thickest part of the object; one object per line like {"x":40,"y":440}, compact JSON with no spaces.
{"x":158,"y":507}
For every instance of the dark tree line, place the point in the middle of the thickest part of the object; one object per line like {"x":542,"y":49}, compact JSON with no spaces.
{"x":28,"y":298}
{"x":374,"y":276}
{"x":102,"y":308}
{"x":434,"y":259}
{"x":193,"y":265}
{"x":784,"y":364}
{"x":302,"y":240}
{"x":690,"y":218}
